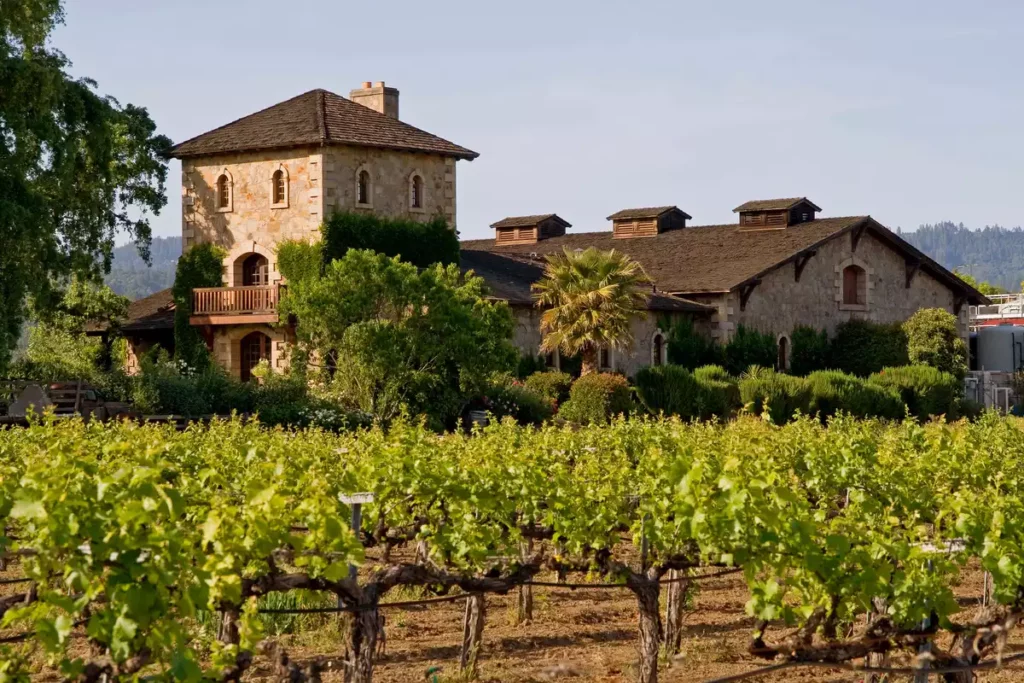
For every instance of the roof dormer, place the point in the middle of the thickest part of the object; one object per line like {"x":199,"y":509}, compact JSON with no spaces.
{"x":648,"y":221}
{"x":529,"y":229}
{"x":766,"y":214}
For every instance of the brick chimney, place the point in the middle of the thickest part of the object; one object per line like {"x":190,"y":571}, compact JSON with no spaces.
{"x":377,"y":97}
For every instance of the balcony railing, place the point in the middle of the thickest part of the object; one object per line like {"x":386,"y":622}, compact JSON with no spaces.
{"x":258,"y":299}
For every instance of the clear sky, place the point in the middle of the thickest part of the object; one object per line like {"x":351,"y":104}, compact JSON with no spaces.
{"x":909,"y":110}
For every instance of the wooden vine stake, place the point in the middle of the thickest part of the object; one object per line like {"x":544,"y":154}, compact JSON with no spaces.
{"x":879,"y":607}
{"x":525,"y":599}
{"x":675,"y":601}
{"x":228,"y":632}
{"x":472,"y":634}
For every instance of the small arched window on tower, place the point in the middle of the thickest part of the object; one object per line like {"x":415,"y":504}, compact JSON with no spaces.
{"x":854,"y":286}
{"x":279,"y":188}
{"x":416,"y":192}
{"x":224,"y":192}
{"x":363,"y":187}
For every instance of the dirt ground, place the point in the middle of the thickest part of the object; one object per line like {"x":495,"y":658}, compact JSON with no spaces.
{"x":582,"y":636}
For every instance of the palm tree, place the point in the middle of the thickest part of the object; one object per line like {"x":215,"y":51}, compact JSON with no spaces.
{"x":591,"y":299}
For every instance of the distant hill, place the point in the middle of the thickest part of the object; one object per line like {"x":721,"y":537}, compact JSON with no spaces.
{"x":131,"y":277}
{"x":993,"y":254}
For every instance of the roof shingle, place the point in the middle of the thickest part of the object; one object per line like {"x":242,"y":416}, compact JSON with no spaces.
{"x":528,"y":221}
{"x":774,"y":204}
{"x":317,"y":117}
{"x":645,"y":212}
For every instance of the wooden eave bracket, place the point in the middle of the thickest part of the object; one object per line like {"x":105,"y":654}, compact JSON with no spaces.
{"x":912,"y":267}
{"x":746,"y":289}
{"x":801,"y":261}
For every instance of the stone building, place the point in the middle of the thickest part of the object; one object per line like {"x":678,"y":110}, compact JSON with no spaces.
{"x":777,"y":267}
{"x":275,"y":175}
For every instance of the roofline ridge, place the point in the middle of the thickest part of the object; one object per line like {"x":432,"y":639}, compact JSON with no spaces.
{"x":171,"y":152}
{"x":321,"y":115}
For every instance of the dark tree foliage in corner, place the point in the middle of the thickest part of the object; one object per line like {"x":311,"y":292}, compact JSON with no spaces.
{"x":76,"y":169}
{"x":421,"y":244}
{"x":200,"y":266}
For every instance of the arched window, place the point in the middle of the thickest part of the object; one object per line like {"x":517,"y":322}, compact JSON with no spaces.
{"x":254,"y":347}
{"x":416,"y":192}
{"x":658,"y":349}
{"x":279,"y":187}
{"x":783,"y":361}
{"x":224,"y":192}
{"x":604,"y":359}
{"x":854,"y":286}
{"x":255,"y":270}
{"x":363,"y":187}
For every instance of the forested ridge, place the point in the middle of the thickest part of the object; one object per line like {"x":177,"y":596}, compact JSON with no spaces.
{"x":130,"y":276}
{"x":993,"y":254}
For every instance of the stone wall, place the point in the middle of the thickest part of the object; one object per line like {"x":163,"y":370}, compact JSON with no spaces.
{"x":391,"y":175}
{"x":227,"y":346}
{"x":779,"y":303}
{"x":527,"y":336}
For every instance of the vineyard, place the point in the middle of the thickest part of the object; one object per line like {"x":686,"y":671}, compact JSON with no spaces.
{"x":849,"y":538}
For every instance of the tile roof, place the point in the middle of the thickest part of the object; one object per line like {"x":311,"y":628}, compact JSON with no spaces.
{"x":317,"y":117}
{"x":719,"y":258}
{"x":646,"y":212}
{"x":527,"y":221}
{"x":774,"y":204}
{"x":153,"y":312}
{"x":509,"y":276}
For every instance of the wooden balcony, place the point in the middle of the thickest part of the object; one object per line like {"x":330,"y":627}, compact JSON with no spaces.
{"x":235,"y":305}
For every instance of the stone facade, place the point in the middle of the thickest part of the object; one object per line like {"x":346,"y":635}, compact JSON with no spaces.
{"x":227,"y":345}
{"x":780,"y":303}
{"x":527,"y":337}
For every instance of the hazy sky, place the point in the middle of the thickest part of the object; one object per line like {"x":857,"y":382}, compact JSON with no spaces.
{"x":908,"y":110}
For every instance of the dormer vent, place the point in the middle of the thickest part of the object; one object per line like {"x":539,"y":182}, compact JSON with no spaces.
{"x":646,"y":222}
{"x":528,"y":229}
{"x":768,"y":214}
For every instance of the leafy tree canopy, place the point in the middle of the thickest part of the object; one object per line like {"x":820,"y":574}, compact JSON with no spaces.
{"x":76,"y":168}
{"x":423,"y":341}
{"x":985,"y":288}
{"x":933,"y":339}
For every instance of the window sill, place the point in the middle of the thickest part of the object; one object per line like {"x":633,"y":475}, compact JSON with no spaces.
{"x":417,"y":209}
{"x":224,"y":209}
{"x":853,"y":307}
{"x":279,"y":206}
{"x":363,"y":206}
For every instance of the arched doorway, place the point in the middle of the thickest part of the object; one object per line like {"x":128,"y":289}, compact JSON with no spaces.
{"x":254,"y":347}
{"x":255,"y":270}
{"x":783,"y":361}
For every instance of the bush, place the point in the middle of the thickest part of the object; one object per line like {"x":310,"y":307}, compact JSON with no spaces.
{"x":933,"y":339}
{"x":552,"y":385}
{"x":166,"y":386}
{"x":833,"y":391}
{"x":810,"y":350}
{"x":669,"y":390}
{"x":720,"y":393}
{"x":596,"y":398}
{"x":201,"y":266}
{"x":300,"y":261}
{"x":781,"y":395}
{"x":526,"y":406}
{"x":862,"y":348}
{"x":529,"y":364}
{"x":749,"y":348}
{"x":927,"y":391}
{"x":689,"y":348}
{"x":422,"y":244}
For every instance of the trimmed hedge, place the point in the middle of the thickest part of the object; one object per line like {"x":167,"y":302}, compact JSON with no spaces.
{"x":527,"y":407}
{"x":933,"y":338}
{"x":689,"y":348}
{"x":719,"y":390}
{"x":551,"y":385}
{"x":809,"y":350}
{"x":749,"y":348}
{"x":926,"y":391}
{"x":596,"y":398}
{"x":669,"y":390}
{"x":781,"y":395}
{"x":862,"y":348}
{"x":833,"y":391}
{"x":422,"y":244}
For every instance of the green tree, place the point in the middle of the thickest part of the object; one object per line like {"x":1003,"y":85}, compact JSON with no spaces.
{"x":200,"y":266}
{"x":76,"y":169}
{"x":590,"y":299}
{"x":933,"y":339}
{"x":985,"y":288}
{"x":424,"y":341}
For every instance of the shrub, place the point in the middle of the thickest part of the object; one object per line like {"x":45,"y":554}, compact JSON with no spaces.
{"x":551,"y":385}
{"x":933,"y":339}
{"x":810,"y":350}
{"x":748,"y":348}
{"x":778,"y":394}
{"x":201,"y":266}
{"x":422,"y":244}
{"x":689,"y":348}
{"x":669,"y":390}
{"x":862,"y":348}
{"x":720,"y":393}
{"x":833,"y":391}
{"x":300,"y":261}
{"x":526,"y":406}
{"x":597,"y":397}
{"x":529,"y":364}
{"x":166,"y":386}
{"x":927,"y":391}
